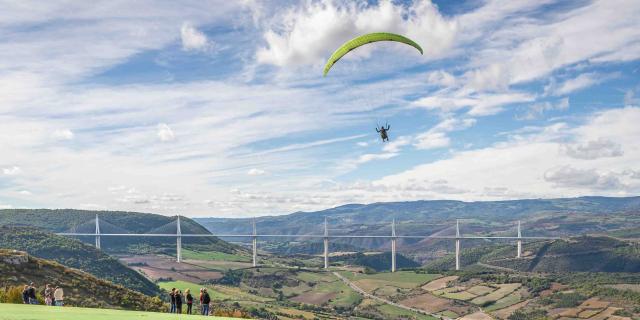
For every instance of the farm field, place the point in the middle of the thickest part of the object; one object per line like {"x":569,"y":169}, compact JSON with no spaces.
{"x":38,"y":312}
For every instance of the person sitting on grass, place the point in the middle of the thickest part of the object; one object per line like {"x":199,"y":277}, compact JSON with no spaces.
{"x":58,"y":295}
{"x":189,"y":299}
{"x":206,"y":299}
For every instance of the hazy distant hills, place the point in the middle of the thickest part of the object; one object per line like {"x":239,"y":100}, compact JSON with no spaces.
{"x":83,"y":221}
{"x":80,"y":288}
{"x":438,"y":215}
{"x":540,"y":217}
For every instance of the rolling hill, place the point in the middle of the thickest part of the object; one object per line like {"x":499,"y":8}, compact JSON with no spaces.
{"x":75,"y":254}
{"x":81,"y":289}
{"x":581,"y":254}
{"x":83,"y":221}
{"x":550,"y":217}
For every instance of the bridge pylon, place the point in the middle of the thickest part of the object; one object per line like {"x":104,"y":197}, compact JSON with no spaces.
{"x":254,"y":245}
{"x":326,"y":244}
{"x":457,"y":244}
{"x":519,"y":242}
{"x":97,"y":232}
{"x":393,"y":245}
{"x":178,"y":242}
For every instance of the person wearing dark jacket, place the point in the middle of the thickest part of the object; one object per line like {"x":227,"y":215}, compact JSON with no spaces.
{"x":172,"y":296}
{"x":189,"y":299}
{"x":178,"y":302}
{"x":25,"y":294}
{"x":206,"y":299}
{"x":32,"y":294}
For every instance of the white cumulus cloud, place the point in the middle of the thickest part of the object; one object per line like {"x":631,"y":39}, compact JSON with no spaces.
{"x":193,"y":39}
{"x":165,"y":133}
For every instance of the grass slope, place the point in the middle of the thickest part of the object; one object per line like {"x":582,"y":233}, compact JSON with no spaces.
{"x":31,"y":312}
{"x":81,"y":289}
{"x":75,"y":254}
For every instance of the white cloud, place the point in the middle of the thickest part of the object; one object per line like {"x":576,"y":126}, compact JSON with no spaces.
{"x":374,"y":156}
{"x":437,"y":137}
{"x":530,"y":165}
{"x":477,"y":104}
{"x":593,"y":149}
{"x":396,"y":144}
{"x":256,"y":172}
{"x":431,"y":140}
{"x":11,"y":171}
{"x":63,"y":134}
{"x":569,"y":177}
{"x":441,"y":78}
{"x":165,"y":133}
{"x":362,"y":144}
{"x":537,"y":110}
{"x":309,"y":33}
{"x":193,"y":39}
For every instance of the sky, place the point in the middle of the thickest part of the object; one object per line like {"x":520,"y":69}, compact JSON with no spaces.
{"x":219,"y":108}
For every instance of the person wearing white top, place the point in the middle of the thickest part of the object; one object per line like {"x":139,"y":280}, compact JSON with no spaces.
{"x":59,"y":296}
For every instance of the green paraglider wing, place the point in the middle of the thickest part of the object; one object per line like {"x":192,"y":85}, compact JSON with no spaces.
{"x":364,"y":39}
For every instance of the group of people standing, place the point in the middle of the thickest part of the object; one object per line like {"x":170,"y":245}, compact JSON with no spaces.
{"x":52,"y":296}
{"x":177,"y":299}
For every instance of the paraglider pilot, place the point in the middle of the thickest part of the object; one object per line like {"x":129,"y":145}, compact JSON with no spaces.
{"x":383,"y":132}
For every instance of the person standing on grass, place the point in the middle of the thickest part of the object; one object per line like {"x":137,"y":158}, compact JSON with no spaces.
{"x":172,"y":296}
{"x":32,"y":294}
{"x":201,"y":310}
{"x":179,"y":302}
{"x":48,"y":295}
{"x":25,"y":294}
{"x":59,"y":296}
{"x":189,"y":298}
{"x":206,"y":299}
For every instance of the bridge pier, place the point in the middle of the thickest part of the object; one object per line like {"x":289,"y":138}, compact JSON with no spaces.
{"x":178,"y":242}
{"x":97,"y":232}
{"x":393,"y":246}
{"x":326,"y":244}
{"x":457,"y":244}
{"x":519,"y":242}
{"x":254,"y":245}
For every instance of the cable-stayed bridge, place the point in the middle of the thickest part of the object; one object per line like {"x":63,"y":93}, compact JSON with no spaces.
{"x":174,"y":230}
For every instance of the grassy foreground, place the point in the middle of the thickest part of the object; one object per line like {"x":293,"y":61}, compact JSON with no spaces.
{"x":34,"y":312}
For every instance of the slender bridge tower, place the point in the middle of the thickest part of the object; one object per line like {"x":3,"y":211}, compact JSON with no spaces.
{"x":393,"y":245}
{"x":457,"y":244}
{"x":519,"y":241}
{"x":254,"y":244}
{"x":97,"y":232}
{"x":326,"y":244}
{"x":178,"y":242}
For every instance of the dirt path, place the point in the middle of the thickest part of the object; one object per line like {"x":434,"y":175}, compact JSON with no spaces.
{"x":370,"y":296}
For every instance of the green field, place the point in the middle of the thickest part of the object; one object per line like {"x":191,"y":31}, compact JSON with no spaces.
{"x":213,"y":256}
{"x":32,"y":312}
{"x":408,"y":277}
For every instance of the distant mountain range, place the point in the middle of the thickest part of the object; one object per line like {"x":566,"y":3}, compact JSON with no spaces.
{"x":541,"y":217}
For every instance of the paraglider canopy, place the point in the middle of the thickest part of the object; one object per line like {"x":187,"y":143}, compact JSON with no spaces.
{"x":365,"y":39}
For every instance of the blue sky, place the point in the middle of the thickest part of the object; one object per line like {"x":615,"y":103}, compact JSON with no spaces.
{"x":219,"y":108}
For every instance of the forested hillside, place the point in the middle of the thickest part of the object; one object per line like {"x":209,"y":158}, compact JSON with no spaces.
{"x":581,"y":254}
{"x":75,"y":254}
{"x":83,"y":221}
{"x":80,"y":288}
